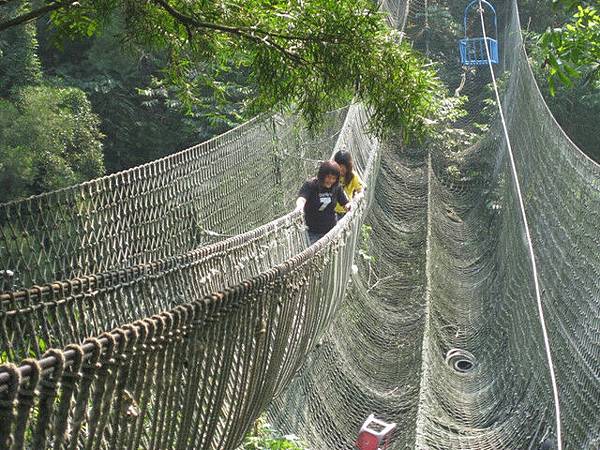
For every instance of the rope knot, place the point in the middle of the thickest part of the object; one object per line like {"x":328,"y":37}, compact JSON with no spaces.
{"x":92,"y":362}
{"x":27,"y":391}
{"x":72,"y":373}
{"x":7,"y":399}
{"x":49,"y":382}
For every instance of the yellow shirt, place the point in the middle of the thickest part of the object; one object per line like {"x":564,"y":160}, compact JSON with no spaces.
{"x":355,"y":185}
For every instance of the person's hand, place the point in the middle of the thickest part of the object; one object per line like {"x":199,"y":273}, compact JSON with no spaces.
{"x":348,"y":206}
{"x":300,"y":202}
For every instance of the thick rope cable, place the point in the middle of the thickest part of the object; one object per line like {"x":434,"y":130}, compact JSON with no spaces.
{"x":536,"y":282}
{"x":124,"y":386}
{"x":440,"y":270}
{"x":427,"y":303}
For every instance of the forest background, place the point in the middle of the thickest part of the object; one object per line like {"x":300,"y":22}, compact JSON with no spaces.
{"x":75,"y":107}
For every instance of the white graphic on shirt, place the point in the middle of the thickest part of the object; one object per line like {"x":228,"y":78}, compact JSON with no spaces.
{"x":325,"y":200}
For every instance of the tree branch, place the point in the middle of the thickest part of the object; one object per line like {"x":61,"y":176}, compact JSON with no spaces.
{"x":257,"y":35}
{"x":34,"y":14}
{"x":236,"y":30}
{"x":247,"y":33}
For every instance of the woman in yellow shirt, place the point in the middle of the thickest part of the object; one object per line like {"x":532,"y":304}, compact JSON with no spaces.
{"x":350,"y":180}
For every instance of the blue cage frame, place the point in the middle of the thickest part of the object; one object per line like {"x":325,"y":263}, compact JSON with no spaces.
{"x":472,"y":50}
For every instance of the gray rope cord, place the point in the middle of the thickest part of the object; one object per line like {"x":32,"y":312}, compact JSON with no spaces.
{"x":8,"y":403}
{"x":48,"y":391}
{"x":70,"y":379}
{"x":89,"y":369}
{"x":383,"y":355}
{"x":260,"y":305}
{"x":531,"y":252}
{"x":150,"y":212}
{"x":25,"y":401}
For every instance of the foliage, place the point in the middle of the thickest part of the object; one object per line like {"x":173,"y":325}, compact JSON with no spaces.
{"x":572,"y":50}
{"x":142,"y":118}
{"x":265,"y":437}
{"x":19,"y":64}
{"x":401,"y":92}
{"x":49,"y":139}
{"x":436,"y":31}
{"x":313,"y":54}
{"x":445,"y":132}
{"x":575,"y":107}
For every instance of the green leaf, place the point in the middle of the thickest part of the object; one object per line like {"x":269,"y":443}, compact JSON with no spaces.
{"x":551,"y":86}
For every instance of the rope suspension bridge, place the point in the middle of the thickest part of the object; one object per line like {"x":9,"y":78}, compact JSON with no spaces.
{"x":166,"y":307}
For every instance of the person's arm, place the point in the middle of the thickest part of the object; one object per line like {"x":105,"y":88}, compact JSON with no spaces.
{"x":343,"y":199}
{"x":360,"y":194}
{"x":359,"y":188}
{"x":303,"y":196}
{"x":359,"y":185}
{"x":300,"y":202}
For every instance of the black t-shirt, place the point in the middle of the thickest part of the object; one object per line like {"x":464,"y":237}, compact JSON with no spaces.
{"x":319,"y":210}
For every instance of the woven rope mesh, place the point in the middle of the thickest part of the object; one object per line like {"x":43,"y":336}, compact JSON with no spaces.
{"x":452,"y":283}
{"x":163,"y":208}
{"x":185,"y":303}
{"x":196,"y":368}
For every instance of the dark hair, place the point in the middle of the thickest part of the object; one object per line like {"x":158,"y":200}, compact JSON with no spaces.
{"x":328,"y":168}
{"x":344,"y":158}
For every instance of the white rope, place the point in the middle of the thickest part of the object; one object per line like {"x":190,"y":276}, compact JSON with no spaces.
{"x":529,"y":242}
{"x":420,"y":426}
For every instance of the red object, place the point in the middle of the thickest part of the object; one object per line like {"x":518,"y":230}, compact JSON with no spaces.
{"x":375,"y":434}
{"x":367,"y":441}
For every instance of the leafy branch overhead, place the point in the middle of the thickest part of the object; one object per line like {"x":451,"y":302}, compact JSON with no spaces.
{"x":312,"y":54}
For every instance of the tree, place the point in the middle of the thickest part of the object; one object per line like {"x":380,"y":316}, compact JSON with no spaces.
{"x":19,"y":64}
{"x":572,"y":50}
{"x":313,"y":54}
{"x":141,"y":121}
{"x":49,"y":139}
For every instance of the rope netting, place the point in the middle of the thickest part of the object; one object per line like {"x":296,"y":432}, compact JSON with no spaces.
{"x":185,"y":302}
{"x":220,"y":328}
{"x":163,"y":208}
{"x":370,"y":359}
{"x":441,"y":332}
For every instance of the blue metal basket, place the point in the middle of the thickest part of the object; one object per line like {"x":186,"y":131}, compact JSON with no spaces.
{"x":472,"y":50}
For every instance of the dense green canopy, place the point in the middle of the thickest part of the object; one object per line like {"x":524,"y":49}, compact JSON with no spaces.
{"x":572,"y":50}
{"x":313,"y":54}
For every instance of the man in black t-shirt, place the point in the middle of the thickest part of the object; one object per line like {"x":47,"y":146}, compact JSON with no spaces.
{"x":318,"y":198}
